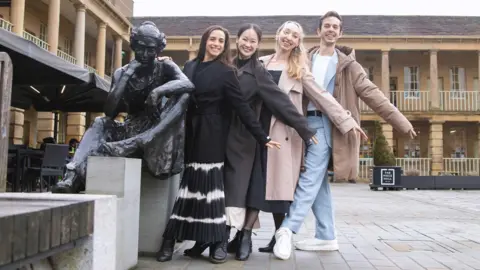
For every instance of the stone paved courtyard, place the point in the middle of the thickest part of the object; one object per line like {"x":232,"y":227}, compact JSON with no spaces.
{"x":376,"y":230}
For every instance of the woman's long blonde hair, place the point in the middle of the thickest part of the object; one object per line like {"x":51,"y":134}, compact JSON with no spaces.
{"x":297,"y":60}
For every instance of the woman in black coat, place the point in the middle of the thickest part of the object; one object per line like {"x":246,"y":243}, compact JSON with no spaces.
{"x":259,"y":89}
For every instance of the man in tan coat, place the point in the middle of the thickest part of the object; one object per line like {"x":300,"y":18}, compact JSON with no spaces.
{"x":336,"y":69}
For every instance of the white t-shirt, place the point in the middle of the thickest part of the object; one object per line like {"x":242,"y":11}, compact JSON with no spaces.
{"x":319,"y":70}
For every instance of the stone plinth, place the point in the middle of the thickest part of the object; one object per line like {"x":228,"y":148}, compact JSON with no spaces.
{"x":120,"y":177}
{"x":156,"y":203}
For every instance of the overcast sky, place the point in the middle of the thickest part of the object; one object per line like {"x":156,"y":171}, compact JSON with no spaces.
{"x":305,"y":7}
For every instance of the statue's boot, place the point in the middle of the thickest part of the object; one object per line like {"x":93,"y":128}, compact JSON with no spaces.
{"x":70,"y":182}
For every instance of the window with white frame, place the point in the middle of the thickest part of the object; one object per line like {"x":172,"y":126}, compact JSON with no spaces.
{"x":43,"y":32}
{"x":457,"y":82}
{"x":411,"y":148}
{"x":411,"y":81}
{"x":88,"y":56}
{"x":476,"y":86}
{"x":458,"y":142}
{"x":68,"y":46}
{"x":366,"y":147}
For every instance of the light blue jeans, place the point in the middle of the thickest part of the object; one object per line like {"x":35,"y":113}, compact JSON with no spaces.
{"x":313,"y":189}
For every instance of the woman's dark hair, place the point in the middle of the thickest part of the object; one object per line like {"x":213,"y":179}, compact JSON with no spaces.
{"x":225,"y":57}
{"x":257,"y":30}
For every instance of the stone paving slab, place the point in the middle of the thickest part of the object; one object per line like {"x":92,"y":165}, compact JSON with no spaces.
{"x":415,"y":229}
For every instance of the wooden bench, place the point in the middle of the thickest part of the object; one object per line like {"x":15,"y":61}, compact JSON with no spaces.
{"x":35,"y":229}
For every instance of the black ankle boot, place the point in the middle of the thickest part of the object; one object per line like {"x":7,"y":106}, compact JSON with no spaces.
{"x":196,"y":250}
{"x":245,"y":247}
{"x":166,"y":250}
{"x":218,"y":252}
{"x":232,"y":246}
{"x":269,"y":247}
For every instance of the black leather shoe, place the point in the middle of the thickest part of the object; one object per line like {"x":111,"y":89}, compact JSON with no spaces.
{"x":245,"y":248}
{"x":196,"y":250}
{"x":218,"y":252}
{"x":232,"y":246}
{"x":166,"y":250}
{"x":269,"y":247}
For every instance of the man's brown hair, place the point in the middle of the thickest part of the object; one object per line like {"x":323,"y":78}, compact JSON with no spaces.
{"x":331,"y":14}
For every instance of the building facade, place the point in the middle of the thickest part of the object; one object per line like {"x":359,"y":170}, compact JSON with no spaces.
{"x":400,"y":54}
{"x":93,"y":34}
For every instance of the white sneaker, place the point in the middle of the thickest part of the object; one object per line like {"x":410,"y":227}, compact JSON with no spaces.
{"x":283,"y":245}
{"x":317,"y":245}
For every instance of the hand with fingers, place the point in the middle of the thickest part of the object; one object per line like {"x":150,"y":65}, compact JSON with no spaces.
{"x":272,"y":144}
{"x":359,"y":131}
{"x":412,"y":133}
{"x":163,"y":58}
{"x":312,"y":140}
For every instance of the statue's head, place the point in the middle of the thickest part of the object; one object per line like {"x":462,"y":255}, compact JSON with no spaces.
{"x":147,"y":42}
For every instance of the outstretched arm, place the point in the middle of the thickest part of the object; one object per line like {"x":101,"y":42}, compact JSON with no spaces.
{"x":278,"y":102}
{"x":177,"y":83}
{"x":245,"y":113}
{"x":326,"y":103}
{"x":375,"y":99}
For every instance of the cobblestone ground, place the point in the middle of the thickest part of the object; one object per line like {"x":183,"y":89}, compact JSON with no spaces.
{"x":376,"y":230}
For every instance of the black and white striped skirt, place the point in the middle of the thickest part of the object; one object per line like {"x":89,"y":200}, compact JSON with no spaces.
{"x":199,"y":210}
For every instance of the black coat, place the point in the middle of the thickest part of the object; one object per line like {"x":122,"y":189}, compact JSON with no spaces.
{"x":217,"y":93}
{"x":258,"y":89}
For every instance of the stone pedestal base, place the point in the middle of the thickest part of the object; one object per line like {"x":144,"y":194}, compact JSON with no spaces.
{"x":120,"y":177}
{"x":156,"y":203}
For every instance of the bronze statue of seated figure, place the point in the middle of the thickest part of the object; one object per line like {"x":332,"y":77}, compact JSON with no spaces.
{"x":152,"y":131}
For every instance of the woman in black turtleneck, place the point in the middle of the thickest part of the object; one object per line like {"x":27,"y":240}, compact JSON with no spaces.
{"x":259,"y":88}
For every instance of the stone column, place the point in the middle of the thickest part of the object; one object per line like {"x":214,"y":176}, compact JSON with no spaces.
{"x":436,"y":146}
{"x":53,"y":25}
{"x":17,"y":14}
{"x":386,"y":74}
{"x":478,"y":66}
{"x":117,"y":63}
{"x":17,"y":118}
{"x":434,"y":93}
{"x":132,"y":55}
{"x":75,"y":126}
{"x":388,"y":133}
{"x":192,"y":54}
{"x":79,"y":45}
{"x":101,"y":48}
{"x":477,"y":142}
{"x":45,"y":122}
{"x":387,"y":129}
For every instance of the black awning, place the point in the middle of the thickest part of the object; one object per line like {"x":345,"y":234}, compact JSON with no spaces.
{"x":86,"y":97}
{"x":35,"y":66}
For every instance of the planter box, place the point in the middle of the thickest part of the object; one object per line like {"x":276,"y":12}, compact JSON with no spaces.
{"x":387,"y":177}
{"x":461,"y":182}
{"x":421,"y":182}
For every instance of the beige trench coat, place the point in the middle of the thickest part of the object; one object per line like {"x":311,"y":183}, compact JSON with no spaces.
{"x":283,"y":165}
